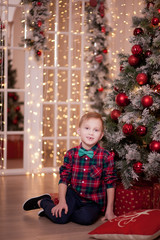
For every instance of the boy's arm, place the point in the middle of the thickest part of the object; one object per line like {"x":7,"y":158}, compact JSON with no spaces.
{"x":57,"y":210}
{"x":109,"y":214}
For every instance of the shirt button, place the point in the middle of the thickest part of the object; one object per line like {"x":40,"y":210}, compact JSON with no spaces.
{"x":86,"y":158}
{"x":80,"y":193}
{"x":84,"y":169}
{"x":82,"y":181}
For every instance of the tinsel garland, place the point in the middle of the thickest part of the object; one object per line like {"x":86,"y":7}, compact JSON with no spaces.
{"x":96,"y":53}
{"x":36,"y":18}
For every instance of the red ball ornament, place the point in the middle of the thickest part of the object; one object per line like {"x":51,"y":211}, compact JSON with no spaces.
{"x":138,"y":167}
{"x":115,"y":114}
{"x":100,"y":89}
{"x":148,"y":53}
{"x":136,"y":50}
{"x":121,"y":68}
{"x":122,"y":99}
{"x":39,"y":53}
{"x":2,"y":26}
{"x":133,"y":60}
{"x":150,"y":4}
{"x":39,"y":23}
{"x":17,"y":109}
{"x":105,"y":51}
{"x":93,"y":3}
{"x":138,"y":31}
{"x":103,"y":29}
{"x":99,"y":58}
{"x":128,"y":129}
{"x":141,"y":130}
{"x":155,"y":146}
{"x":155,"y":21}
{"x":159,"y":10}
{"x":101,"y":9}
{"x":147,"y":101}
{"x":15,"y":121}
{"x":116,"y":89}
{"x":142,"y":78}
{"x":39,"y":4}
{"x":156,"y":89}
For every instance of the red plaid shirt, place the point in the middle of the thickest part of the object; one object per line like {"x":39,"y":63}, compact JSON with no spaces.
{"x":89,"y":177}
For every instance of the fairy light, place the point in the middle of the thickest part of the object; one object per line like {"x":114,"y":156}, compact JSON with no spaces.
{"x":55,"y":65}
{"x":121,"y":21}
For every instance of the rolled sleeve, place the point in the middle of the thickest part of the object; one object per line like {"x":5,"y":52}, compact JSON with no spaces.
{"x":65,"y":170}
{"x":110,"y":176}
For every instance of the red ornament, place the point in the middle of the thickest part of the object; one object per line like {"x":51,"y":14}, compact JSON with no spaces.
{"x":159,"y":10}
{"x":39,"y":53}
{"x":155,"y":21}
{"x":17,"y":109}
{"x":155,"y":146}
{"x":147,"y":101}
{"x":133,"y":60}
{"x":138,"y":167}
{"x":93,"y":3}
{"x":141,"y":130}
{"x":142,"y":78}
{"x":121,"y":68}
{"x":115,"y":114}
{"x":99,"y":58}
{"x":103,"y":29}
{"x":156,"y":89}
{"x":101,"y":9}
{"x":138,"y":31}
{"x":150,"y":4}
{"x":136,"y":50}
{"x":15,"y":97}
{"x":39,"y":4}
{"x":15,"y":121}
{"x":148,"y":53}
{"x":42,"y":33}
{"x":128,"y":129}
{"x":116,"y":89}
{"x":100,"y":89}
{"x":39,"y":23}
{"x":2,"y":26}
{"x":122,"y":99}
{"x":105,"y":51}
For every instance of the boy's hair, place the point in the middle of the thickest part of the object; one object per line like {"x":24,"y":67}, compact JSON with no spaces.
{"x":91,"y":115}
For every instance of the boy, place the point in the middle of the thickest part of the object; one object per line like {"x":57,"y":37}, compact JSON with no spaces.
{"x":87,"y":172}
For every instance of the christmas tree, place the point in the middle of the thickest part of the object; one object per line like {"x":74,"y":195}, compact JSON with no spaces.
{"x":133,"y":122}
{"x":15,"y":116}
{"x":96,"y":54}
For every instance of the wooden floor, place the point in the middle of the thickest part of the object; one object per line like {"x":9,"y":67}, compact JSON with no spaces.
{"x":16,"y":224}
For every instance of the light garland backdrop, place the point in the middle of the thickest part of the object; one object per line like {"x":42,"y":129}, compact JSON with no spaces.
{"x":56,"y":86}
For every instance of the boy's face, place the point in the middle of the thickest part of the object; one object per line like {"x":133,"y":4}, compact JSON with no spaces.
{"x":90,"y":132}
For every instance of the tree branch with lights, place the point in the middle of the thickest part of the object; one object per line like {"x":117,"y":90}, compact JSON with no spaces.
{"x":133,"y":125}
{"x":36,"y":18}
{"x":95,"y":54}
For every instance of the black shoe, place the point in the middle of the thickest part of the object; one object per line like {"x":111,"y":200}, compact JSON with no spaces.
{"x":41,"y":213}
{"x":32,"y":203}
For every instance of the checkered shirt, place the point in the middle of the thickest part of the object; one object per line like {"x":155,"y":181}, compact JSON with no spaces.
{"x":89,"y":177}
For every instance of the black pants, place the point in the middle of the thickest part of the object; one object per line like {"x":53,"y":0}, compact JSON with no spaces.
{"x":78,"y":211}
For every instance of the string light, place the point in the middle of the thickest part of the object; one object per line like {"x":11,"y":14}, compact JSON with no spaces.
{"x":121,"y":21}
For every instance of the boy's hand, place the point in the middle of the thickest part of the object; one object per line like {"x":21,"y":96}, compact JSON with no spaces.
{"x":57,"y":210}
{"x":109,"y":216}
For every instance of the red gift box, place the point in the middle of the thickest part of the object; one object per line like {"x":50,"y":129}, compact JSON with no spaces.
{"x":144,"y":196}
{"x":137,"y":197}
{"x":156,"y":195}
